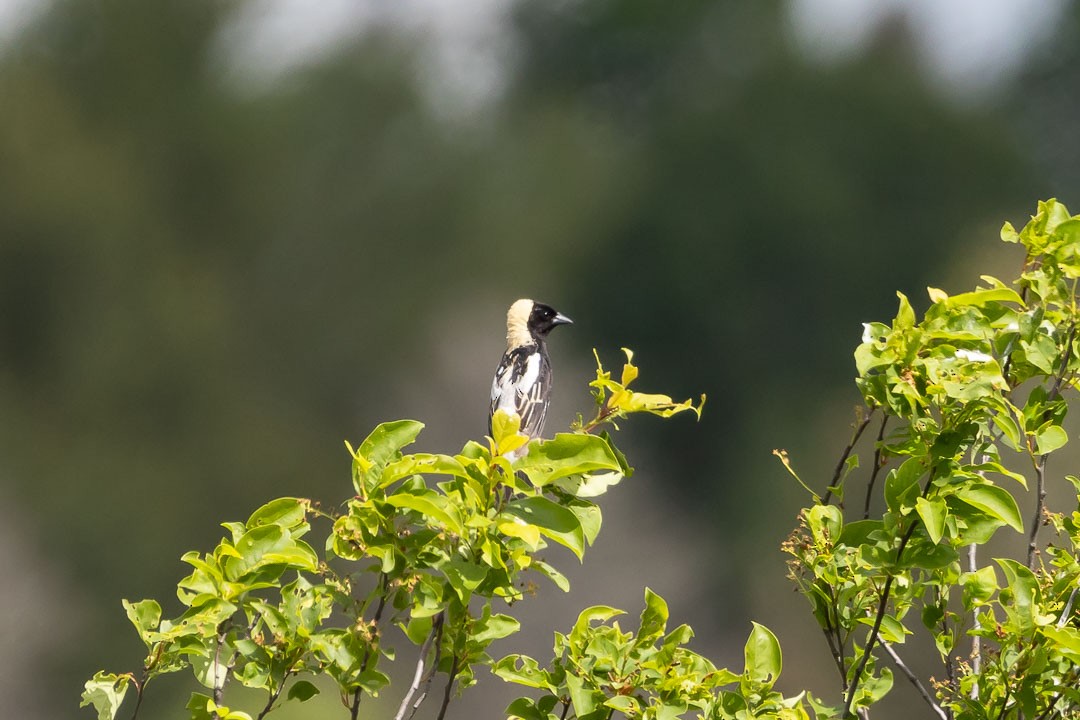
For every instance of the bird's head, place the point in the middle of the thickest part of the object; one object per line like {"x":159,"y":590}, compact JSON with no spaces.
{"x":528,"y":322}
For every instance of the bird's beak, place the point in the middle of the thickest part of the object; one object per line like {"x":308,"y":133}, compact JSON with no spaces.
{"x":561,"y":319}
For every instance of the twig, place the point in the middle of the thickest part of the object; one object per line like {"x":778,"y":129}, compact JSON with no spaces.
{"x":354,"y":707}
{"x":914,"y":681}
{"x":434,"y":635}
{"x":1040,"y":466}
{"x":274,"y":695}
{"x":836,"y":645}
{"x":883,"y":604}
{"x":1040,"y":504}
{"x":1068,"y":609}
{"x":138,"y":698}
{"x":976,"y":640}
{"x":844,"y":456}
{"x":877,"y":467}
{"x":219,"y":682}
{"x":449,"y":688}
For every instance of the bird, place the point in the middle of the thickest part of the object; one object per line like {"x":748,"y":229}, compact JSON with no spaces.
{"x":522,"y":383}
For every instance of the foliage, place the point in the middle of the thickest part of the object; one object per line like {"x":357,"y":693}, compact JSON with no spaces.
{"x":971,"y":407}
{"x":969,"y":403}
{"x":426,"y":546}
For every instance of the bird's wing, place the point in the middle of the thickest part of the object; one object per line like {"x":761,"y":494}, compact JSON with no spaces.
{"x":521,"y":386}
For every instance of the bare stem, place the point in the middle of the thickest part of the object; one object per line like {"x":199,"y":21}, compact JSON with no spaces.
{"x":449,"y":688}
{"x":219,"y":682}
{"x":915,"y":681}
{"x":354,"y":706}
{"x":1040,"y":505}
{"x":976,"y":640}
{"x":274,"y":695}
{"x":423,"y":675}
{"x":844,"y":456}
{"x":878,"y":464}
{"x":1067,"y":609}
{"x":875,"y":631}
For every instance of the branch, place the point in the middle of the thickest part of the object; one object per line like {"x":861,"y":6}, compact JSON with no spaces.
{"x":976,"y":640}
{"x":882,"y":607}
{"x":1068,"y":609}
{"x":434,"y":638}
{"x":354,"y":707}
{"x":1040,"y":466}
{"x":877,"y":467}
{"x":449,"y":688}
{"x":844,"y":456}
{"x":1040,"y":505}
{"x":219,"y":683}
{"x":915,"y":681}
{"x":274,"y":695}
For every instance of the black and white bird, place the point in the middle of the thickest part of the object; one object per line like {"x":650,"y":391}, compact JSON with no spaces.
{"x":522,"y":383}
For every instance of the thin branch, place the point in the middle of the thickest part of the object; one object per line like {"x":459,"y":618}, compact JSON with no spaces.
{"x":422,"y":673}
{"x":1040,"y":505}
{"x":449,"y":688}
{"x":274,"y":695}
{"x":138,"y":699}
{"x":844,"y":456}
{"x":219,"y":682}
{"x":354,"y":706}
{"x":565,"y":709}
{"x":976,"y":640}
{"x":1068,"y":609}
{"x":1040,"y":466}
{"x":878,"y":464}
{"x":914,"y":681}
{"x":883,"y":605}
{"x":836,"y":645}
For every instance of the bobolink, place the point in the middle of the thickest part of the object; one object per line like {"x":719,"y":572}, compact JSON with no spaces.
{"x":522,"y":383}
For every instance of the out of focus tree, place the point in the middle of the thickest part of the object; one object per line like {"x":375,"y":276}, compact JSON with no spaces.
{"x":193,"y":278}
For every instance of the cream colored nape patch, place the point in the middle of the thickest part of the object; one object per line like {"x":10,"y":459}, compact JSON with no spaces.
{"x":517,"y":324}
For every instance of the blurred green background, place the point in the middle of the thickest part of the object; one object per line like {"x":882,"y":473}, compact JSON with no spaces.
{"x":233,"y":234}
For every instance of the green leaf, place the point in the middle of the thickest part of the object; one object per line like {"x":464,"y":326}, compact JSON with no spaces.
{"x":270,"y":545}
{"x":379,"y":448}
{"x":905,"y":316}
{"x":891,"y":629}
{"x":464,"y":577}
{"x":625,"y":704}
{"x":1050,"y":439}
{"x":653,"y":619}
{"x":105,"y":692}
{"x":430,"y":504}
{"x":551,"y":574}
{"x":979,"y":587}
{"x":287,"y":512}
{"x":145,"y":615}
{"x":902,"y":484}
{"x":555,"y":521}
{"x":565,"y":455}
{"x":522,"y":670}
{"x":525,"y":709}
{"x":979,"y":298}
{"x":933,"y":513}
{"x":1019,"y":601}
{"x":495,"y":627}
{"x":762,"y":655}
{"x":1067,"y":640}
{"x":199,"y":707}
{"x":995,"y":501}
{"x":596,"y":613}
{"x":302,"y":690}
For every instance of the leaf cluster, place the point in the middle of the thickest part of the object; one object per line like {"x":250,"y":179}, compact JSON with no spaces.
{"x":421,"y":552}
{"x":971,"y":404}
